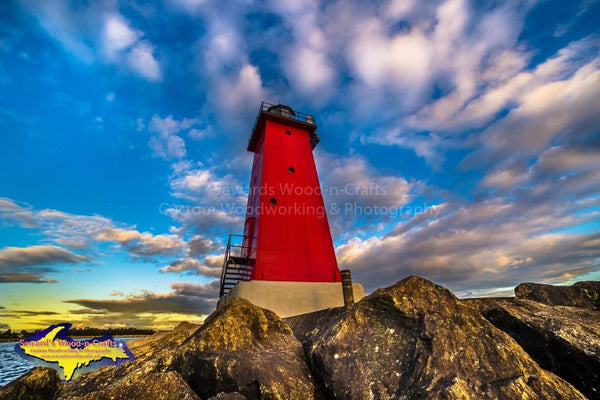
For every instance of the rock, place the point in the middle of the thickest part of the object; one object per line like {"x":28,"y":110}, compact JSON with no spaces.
{"x":149,"y":346}
{"x":412,"y":340}
{"x":563,"y":340}
{"x":416,"y":340}
{"x":246,"y":349}
{"x":228,"y":396}
{"x":38,"y":384}
{"x":150,"y":375}
{"x":135,"y":385}
{"x":242,"y":351}
{"x":580,"y":294}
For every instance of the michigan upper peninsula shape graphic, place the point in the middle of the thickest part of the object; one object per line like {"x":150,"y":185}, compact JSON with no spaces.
{"x":67,"y":356}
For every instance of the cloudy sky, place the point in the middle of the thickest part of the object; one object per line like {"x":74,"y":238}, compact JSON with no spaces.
{"x":459,"y":142}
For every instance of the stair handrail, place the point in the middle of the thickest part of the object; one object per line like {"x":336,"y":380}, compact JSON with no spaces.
{"x":226,"y":262}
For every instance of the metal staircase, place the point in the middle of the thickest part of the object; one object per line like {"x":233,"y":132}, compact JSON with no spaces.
{"x":237,"y":264}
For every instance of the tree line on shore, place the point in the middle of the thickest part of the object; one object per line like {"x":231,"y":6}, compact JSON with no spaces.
{"x":80,"y":332}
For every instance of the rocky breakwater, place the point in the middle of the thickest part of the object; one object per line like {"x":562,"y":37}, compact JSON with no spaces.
{"x":241,"y":352}
{"x":416,"y":340}
{"x":412,"y":340}
{"x":559,"y":326}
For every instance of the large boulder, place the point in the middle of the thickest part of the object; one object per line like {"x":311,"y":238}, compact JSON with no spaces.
{"x":412,"y":340}
{"x":416,"y":340}
{"x":245,"y":349}
{"x":38,"y":384}
{"x":564,"y":340}
{"x":149,"y":375}
{"x":150,"y":346}
{"x":228,"y":396}
{"x":241,"y":351}
{"x":137,"y":384}
{"x":581,"y":294}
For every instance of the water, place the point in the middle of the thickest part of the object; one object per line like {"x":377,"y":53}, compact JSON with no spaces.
{"x":12,"y":365}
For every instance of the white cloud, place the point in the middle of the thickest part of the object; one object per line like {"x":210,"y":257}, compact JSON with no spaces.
{"x":185,"y":298}
{"x":223,"y":48}
{"x":207,"y":218}
{"x":84,"y":231}
{"x":165,"y":143}
{"x":143,"y":243}
{"x":117,"y":35}
{"x":197,"y":134}
{"x":69,"y":26}
{"x":541,"y":114}
{"x":500,"y":239}
{"x":28,"y":264}
{"x":214,"y":261}
{"x":203,"y":186}
{"x":306,"y":63}
{"x":485,"y":245}
{"x":564,"y":159}
{"x":357,"y":181}
{"x":506,"y":177}
{"x":168,"y":147}
{"x":397,"y":9}
{"x":12,"y":212}
{"x":141,"y":60}
{"x":508,"y":84}
{"x":192,"y":265}
{"x":111,"y":41}
{"x":199,"y":245}
{"x":36,"y":255}
{"x":353,"y":189}
{"x":209,"y":289}
{"x":241,"y":91}
{"x":309,"y":70}
{"x":218,"y":201}
{"x":402,"y":61}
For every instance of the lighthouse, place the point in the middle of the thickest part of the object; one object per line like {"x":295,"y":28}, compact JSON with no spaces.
{"x":284,"y":260}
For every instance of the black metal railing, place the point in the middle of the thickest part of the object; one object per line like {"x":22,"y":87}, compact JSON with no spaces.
{"x":280,"y":109}
{"x":285,"y":112}
{"x":238,"y":263}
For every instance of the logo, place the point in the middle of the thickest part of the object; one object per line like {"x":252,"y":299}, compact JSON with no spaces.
{"x":53,"y":348}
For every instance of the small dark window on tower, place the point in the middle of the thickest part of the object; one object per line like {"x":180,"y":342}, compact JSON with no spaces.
{"x":288,"y":132}
{"x":291,"y":169}
{"x":273,"y":200}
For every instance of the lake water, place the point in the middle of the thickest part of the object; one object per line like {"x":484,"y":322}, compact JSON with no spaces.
{"x":12,"y":365}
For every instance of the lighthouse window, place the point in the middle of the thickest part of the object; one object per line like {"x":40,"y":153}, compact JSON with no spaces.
{"x":291,"y":169}
{"x":273,"y":200}
{"x":288,"y":132}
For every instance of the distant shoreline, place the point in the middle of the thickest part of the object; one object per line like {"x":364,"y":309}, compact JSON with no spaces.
{"x":7,"y":340}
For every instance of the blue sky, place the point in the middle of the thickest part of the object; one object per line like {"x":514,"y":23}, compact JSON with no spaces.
{"x":459,"y":142}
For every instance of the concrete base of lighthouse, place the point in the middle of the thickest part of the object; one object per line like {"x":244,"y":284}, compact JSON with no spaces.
{"x":287,"y":299}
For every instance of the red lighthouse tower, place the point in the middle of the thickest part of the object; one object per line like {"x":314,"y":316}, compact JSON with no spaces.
{"x":286,"y":245}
